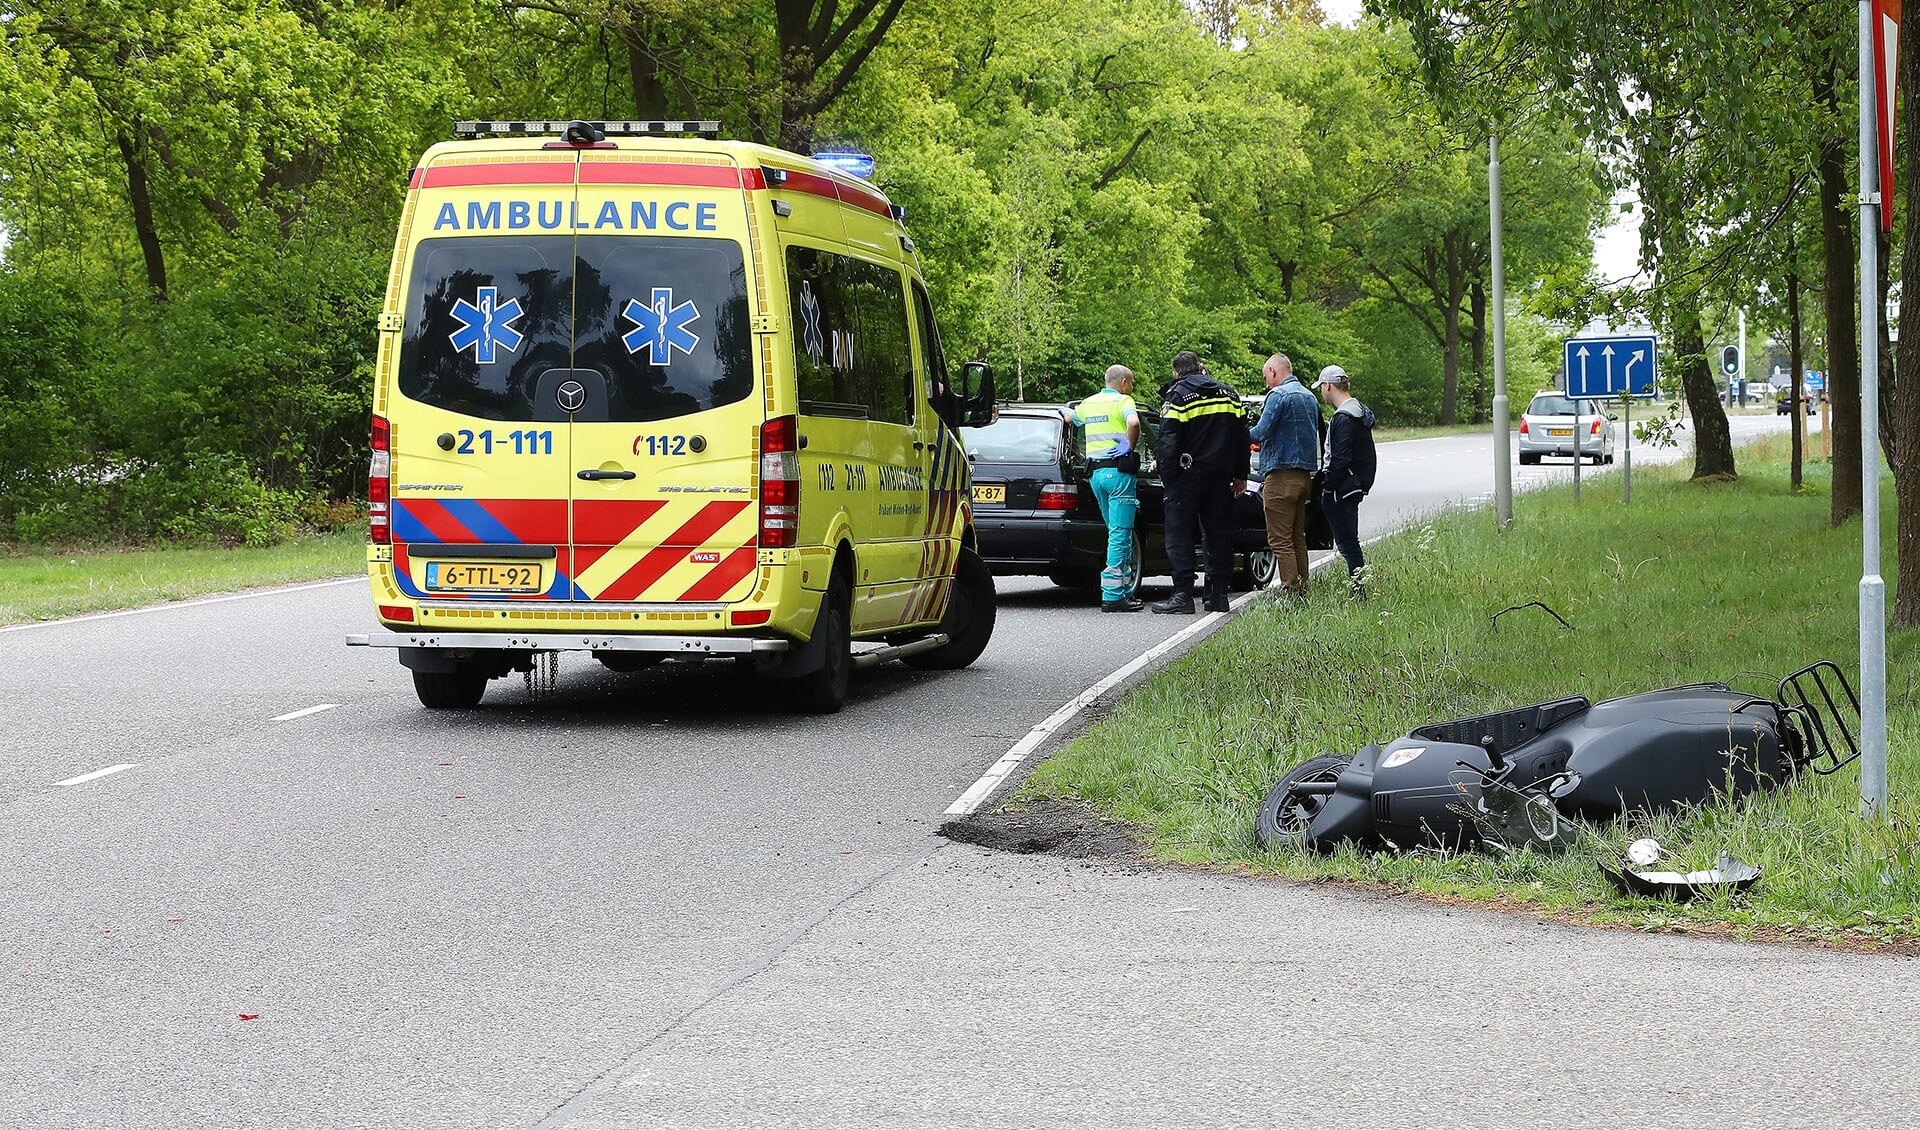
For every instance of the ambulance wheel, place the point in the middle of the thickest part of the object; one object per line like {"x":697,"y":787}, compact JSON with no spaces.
{"x":1286,"y":817}
{"x":968,"y":621}
{"x":449,"y":690}
{"x":824,"y":691}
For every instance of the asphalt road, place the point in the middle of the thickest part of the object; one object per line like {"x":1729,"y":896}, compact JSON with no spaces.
{"x":652,"y":900}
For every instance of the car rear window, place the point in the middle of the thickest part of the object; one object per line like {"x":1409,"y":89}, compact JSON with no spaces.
{"x":1550,"y":406}
{"x":663,"y":320}
{"x":1015,"y":439}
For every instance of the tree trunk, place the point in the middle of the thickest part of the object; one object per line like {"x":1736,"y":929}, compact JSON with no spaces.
{"x":1906,"y":407}
{"x":142,"y":205}
{"x":1799,"y":416}
{"x":643,"y":70}
{"x":1712,"y":439}
{"x":1843,"y":350}
{"x":1477,"y":299}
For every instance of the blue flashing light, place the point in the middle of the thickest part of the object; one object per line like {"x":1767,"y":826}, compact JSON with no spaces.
{"x":849,"y":161}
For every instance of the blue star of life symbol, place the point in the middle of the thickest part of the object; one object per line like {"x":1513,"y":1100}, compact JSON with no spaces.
{"x":487,"y":325}
{"x":810,"y":314}
{"x":662,"y":326}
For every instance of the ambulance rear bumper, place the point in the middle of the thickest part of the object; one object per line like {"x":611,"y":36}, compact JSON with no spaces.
{"x":573,"y":641}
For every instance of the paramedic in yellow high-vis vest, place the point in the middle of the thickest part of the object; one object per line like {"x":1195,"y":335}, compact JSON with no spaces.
{"x":1112,"y":425}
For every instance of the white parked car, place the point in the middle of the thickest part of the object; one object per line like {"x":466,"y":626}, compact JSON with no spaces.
{"x":1549,"y":424}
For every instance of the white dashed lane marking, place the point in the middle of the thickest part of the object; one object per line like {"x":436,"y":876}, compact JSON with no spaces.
{"x":96,"y":774}
{"x":307,"y":711}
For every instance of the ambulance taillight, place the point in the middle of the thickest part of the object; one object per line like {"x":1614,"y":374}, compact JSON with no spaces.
{"x":780,"y":483}
{"x":379,"y":484}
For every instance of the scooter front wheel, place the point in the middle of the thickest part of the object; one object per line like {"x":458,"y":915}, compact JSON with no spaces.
{"x":1287,"y":814}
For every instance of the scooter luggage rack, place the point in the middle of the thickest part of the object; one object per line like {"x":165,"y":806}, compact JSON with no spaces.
{"x":1807,"y":697}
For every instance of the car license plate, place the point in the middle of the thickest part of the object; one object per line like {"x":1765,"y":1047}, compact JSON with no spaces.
{"x":449,"y":576}
{"x":1559,"y":431}
{"x":994,"y":494}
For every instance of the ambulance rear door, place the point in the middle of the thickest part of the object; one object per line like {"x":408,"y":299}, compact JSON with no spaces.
{"x":480,"y":471}
{"x":663,"y":400}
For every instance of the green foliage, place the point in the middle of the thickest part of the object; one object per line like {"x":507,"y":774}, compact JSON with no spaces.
{"x":198,"y":200}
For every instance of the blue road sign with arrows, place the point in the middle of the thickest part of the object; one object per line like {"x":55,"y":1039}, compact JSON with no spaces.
{"x":1599,"y":367}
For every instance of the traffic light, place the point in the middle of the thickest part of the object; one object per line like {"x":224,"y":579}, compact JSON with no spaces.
{"x":1730,"y":360}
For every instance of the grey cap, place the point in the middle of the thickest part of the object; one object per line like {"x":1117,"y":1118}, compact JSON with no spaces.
{"x":1332,"y":375}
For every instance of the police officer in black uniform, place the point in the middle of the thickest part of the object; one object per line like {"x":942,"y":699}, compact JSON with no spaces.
{"x":1203,"y":462}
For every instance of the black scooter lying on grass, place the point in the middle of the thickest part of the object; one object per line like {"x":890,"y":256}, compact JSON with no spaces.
{"x":1519,"y":775}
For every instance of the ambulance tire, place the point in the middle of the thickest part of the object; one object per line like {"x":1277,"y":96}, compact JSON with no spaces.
{"x":968,"y":620}
{"x":449,"y":690}
{"x":824,"y":690}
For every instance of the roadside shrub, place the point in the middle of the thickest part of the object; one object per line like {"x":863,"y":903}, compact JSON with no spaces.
{"x":207,"y":498}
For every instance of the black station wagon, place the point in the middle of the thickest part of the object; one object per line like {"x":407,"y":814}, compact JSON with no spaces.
{"x":1036,"y":515}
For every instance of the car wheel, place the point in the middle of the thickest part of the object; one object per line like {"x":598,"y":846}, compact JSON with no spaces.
{"x":1527,"y":460}
{"x":1259,"y":570}
{"x":449,"y":690}
{"x":968,"y":620}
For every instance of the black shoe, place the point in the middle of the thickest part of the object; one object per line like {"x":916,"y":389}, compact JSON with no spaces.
{"x":1217,"y":604}
{"x":1124,"y":604}
{"x":1180,"y":603}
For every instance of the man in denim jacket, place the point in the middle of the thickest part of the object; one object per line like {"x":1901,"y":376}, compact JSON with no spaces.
{"x":1288,"y":432}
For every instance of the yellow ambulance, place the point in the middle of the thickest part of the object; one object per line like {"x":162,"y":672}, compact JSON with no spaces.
{"x":648,"y":394}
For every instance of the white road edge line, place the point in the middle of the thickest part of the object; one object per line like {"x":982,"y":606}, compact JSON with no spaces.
{"x":304,"y":713}
{"x":183,"y":604}
{"x":96,"y":774}
{"x":980,"y":790}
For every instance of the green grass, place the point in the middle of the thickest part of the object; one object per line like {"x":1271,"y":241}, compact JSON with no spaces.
{"x":1739,"y":582}
{"x":38,"y":583}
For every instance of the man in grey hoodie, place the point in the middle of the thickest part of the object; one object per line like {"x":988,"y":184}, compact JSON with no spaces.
{"x":1348,"y":474}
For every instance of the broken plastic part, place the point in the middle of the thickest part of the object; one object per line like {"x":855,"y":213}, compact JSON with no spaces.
{"x":1730,"y":876}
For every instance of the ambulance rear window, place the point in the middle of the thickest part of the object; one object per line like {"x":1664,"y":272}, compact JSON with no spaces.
{"x":662,"y":319}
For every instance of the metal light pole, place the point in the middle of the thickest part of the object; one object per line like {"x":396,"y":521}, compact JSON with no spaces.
{"x":1502,"y":454}
{"x":1873,"y":587}
{"x":1743,"y":356}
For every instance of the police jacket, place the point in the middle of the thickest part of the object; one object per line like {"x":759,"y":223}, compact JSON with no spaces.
{"x":1203,"y":432}
{"x":1288,"y":430}
{"x":1351,"y":460}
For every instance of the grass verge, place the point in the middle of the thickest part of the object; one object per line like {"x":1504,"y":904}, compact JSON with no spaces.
{"x":1739,"y":582}
{"x":45,"y":584}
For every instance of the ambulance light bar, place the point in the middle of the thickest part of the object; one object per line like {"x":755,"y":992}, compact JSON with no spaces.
{"x":849,"y":161}
{"x":469,"y":130}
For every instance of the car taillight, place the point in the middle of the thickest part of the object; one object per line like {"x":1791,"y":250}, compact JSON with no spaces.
{"x":1595,"y":430}
{"x":1057,"y":496}
{"x":380,"y":484}
{"x":780,"y":483}
{"x":1523,"y":425}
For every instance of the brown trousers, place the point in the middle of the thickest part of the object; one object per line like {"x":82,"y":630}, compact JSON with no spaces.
{"x":1283,"y":498}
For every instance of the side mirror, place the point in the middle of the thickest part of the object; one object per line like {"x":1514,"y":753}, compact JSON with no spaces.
{"x":1613,"y":415}
{"x":976,"y":394}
